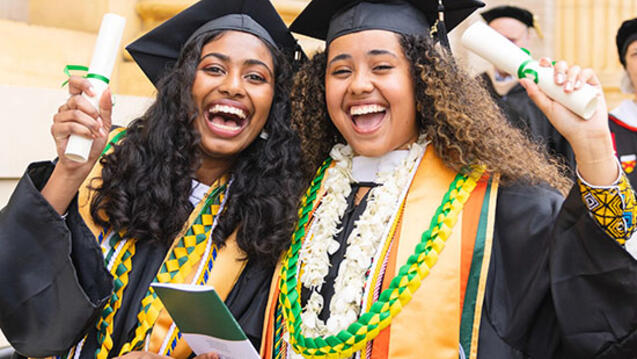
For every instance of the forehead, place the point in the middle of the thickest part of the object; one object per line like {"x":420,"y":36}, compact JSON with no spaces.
{"x":239,"y":46}
{"x":509,"y":26}
{"x":360,"y":43}
{"x":632,"y":47}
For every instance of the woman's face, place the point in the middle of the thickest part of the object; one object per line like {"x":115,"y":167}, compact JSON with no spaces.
{"x":631,"y":63}
{"x":369,"y":92}
{"x":233,"y":91}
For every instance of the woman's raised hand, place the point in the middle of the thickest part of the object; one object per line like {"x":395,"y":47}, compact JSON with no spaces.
{"x":590,"y":139}
{"x":78,"y":117}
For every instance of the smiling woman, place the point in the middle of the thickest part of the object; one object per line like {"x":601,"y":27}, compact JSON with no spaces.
{"x":189,"y":193}
{"x":432,"y":227}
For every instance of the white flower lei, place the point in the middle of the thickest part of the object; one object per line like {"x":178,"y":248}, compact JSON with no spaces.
{"x":363,"y":242}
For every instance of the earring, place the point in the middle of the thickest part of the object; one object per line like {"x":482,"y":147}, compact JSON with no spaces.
{"x":263,"y":135}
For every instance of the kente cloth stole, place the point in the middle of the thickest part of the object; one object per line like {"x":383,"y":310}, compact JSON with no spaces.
{"x":449,"y":300}
{"x":191,"y":258}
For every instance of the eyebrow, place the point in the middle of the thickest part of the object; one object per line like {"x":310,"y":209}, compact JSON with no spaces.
{"x":374,"y":52}
{"x":377,"y":52}
{"x":226,"y":58}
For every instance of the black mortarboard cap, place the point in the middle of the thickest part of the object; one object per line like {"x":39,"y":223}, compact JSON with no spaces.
{"x":626,"y":34}
{"x":159,"y":49}
{"x":329,"y":19}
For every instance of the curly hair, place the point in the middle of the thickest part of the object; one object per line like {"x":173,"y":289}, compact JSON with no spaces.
{"x":147,"y":180}
{"x":456,"y":113}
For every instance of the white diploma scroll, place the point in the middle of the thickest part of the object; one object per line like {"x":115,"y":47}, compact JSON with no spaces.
{"x":506,"y":56}
{"x":104,"y":55}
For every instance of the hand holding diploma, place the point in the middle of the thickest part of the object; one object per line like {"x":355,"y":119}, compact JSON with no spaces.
{"x":591,"y":140}
{"x":99,"y":73}
{"x":570,"y":97}
{"x":80,"y":118}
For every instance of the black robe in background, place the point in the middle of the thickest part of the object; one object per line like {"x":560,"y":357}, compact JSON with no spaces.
{"x":625,"y":139}
{"x":522,"y":113}
{"x":53,"y":281}
{"x":558,"y":287}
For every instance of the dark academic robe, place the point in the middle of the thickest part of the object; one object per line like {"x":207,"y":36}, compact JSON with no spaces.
{"x":53,"y":281}
{"x":522,"y":113}
{"x":625,"y":140}
{"x":558,"y":286}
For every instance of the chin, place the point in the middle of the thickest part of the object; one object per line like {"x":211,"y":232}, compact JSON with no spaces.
{"x":370,"y":149}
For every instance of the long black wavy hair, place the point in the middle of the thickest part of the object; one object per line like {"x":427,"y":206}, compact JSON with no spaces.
{"x":147,"y":179}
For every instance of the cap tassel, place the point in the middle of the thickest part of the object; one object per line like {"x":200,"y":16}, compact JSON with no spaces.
{"x":441,"y":28}
{"x":536,"y":26}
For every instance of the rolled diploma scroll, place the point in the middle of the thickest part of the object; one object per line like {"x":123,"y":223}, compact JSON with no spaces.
{"x":506,"y":56}
{"x":104,"y":55}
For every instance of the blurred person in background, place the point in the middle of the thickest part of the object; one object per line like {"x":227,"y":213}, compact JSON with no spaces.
{"x":515,"y":24}
{"x":623,"y":119}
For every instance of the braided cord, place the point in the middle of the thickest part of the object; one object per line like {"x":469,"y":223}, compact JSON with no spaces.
{"x":392,"y":299}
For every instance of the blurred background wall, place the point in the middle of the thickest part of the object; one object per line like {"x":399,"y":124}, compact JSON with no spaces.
{"x":39,"y":37}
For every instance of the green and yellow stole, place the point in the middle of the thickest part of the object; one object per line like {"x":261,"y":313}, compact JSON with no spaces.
{"x":445,"y":311}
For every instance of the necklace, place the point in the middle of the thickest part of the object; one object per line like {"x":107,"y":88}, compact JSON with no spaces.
{"x":367,"y":235}
{"x":390,"y":302}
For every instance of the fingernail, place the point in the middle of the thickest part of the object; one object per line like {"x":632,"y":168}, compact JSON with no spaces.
{"x":560,"y":78}
{"x":578,"y":84}
{"x":569,"y":86}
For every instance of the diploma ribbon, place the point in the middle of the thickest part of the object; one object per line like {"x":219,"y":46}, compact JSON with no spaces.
{"x":523,"y":72}
{"x":69,"y":68}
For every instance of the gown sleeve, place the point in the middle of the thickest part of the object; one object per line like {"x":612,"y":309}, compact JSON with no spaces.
{"x":558,"y":285}
{"x":52,"y":274}
{"x":594,"y":286}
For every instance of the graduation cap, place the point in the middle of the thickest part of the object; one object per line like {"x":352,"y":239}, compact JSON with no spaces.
{"x":159,"y":49}
{"x":626,"y":35}
{"x":523,"y":15}
{"x":329,"y":19}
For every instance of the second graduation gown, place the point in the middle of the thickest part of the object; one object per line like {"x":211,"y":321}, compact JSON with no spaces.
{"x":556,"y":285}
{"x":623,"y":126}
{"x":55,"y":283}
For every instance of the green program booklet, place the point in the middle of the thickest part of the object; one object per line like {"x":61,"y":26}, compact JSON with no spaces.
{"x":204,"y":321}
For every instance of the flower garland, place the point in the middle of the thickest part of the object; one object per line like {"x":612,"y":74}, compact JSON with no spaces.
{"x":367,"y":235}
{"x":391,"y":300}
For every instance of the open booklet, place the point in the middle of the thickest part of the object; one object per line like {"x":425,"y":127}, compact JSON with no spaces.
{"x":204,"y":321}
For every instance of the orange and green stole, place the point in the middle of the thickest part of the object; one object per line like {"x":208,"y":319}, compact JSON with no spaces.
{"x":444,"y":313}
{"x":192,"y":258}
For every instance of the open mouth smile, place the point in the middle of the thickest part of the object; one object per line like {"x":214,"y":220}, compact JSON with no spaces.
{"x":226,"y":120}
{"x":367,"y":118}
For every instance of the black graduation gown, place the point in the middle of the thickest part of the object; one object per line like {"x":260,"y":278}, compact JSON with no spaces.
{"x":53,"y":281}
{"x":522,"y":113}
{"x":558,"y":286}
{"x":625,"y":139}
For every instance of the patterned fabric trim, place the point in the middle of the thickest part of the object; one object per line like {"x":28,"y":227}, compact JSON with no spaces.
{"x":614,"y":208}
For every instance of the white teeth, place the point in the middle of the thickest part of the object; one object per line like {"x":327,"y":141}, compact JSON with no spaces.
{"x":229,"y":110}
{"x":366,"y":109}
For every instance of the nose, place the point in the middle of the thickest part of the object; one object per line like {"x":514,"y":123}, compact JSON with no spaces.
{"x":232,"y":86}
{"x":361,"y":83}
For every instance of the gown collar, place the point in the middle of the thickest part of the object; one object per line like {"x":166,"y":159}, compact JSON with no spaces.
{"x":366,"y":169}
{"x":626,"y":112}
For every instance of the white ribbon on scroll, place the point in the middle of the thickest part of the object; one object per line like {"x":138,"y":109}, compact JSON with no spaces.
{"x":102,"y":63}
{"x":506,"y":56}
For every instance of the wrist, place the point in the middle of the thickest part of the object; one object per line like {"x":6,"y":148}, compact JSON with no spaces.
{"x":593,"y":148}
